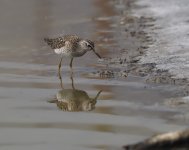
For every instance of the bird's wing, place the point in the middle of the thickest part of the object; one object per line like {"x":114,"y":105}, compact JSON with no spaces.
{"x":71,"y":38}
{"x":71,"y":41}
{"x":60,"y":41}
{"x":55,"y":43}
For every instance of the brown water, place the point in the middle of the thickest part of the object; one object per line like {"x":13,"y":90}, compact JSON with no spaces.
{"x":128,"y":110}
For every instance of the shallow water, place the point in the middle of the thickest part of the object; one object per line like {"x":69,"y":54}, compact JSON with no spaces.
{"x":127,"y":110}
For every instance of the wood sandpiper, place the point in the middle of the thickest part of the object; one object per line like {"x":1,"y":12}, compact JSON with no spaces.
{"x":71,"y":46}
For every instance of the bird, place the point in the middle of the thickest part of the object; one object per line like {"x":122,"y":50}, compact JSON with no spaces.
{"x":70,"y":46}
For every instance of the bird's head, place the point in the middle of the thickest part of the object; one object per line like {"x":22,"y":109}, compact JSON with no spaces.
{"x":88,"y":45}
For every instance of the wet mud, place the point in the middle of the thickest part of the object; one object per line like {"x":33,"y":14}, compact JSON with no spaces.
{"x":136,"y":37}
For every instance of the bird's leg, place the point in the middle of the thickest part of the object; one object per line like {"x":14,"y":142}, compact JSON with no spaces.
{"x":71,"y":62}
{"x":59,"y":67}
{"x":71,"y":77}
{"x":61,"y":83}
{"x":59,"y":72}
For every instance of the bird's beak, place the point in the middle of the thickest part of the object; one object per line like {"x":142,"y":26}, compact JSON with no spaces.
{"x":96,"y":53}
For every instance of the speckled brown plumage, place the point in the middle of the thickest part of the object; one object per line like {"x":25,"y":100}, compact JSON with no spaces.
{"x":59,"y":42}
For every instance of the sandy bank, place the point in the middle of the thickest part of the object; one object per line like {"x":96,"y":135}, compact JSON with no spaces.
{"x":155,"y":40}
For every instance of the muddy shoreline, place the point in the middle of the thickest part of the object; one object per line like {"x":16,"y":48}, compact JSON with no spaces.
{"x":136,"y":33}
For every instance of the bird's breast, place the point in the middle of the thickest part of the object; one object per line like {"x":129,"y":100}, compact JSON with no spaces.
{"x":70,"y":52}
{"x":63,"y":51}
{"x":58,"y":50}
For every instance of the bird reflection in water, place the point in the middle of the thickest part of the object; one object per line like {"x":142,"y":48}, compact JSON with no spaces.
{"x":74,"y":99}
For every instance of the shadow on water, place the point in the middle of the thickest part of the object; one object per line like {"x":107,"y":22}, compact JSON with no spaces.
{"x":74,"y":99}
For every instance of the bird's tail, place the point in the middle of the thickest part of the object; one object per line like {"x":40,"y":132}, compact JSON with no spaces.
{"x":48,"y":41}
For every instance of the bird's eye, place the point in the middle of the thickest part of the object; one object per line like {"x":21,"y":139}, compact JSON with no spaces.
{"x":89,"y":46}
